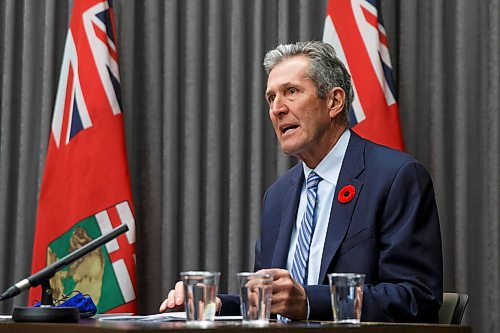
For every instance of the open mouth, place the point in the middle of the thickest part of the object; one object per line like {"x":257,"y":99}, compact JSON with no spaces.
{"x":288,"y":128}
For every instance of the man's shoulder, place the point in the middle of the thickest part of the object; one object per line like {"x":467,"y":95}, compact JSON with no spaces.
{"x":372,"y":161}
{"x":375,"y":150}
{"x":289,"y":178}
{"x":377,"y":154}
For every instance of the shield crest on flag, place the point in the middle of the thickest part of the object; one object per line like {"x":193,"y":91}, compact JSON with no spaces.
{"x":98,"y":274}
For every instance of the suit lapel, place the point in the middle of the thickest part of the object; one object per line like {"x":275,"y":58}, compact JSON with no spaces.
{"x":290,"y":205}
{"x":341,"y":213}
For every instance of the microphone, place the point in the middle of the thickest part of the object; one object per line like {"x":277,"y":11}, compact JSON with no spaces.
{"x":49,"y":271}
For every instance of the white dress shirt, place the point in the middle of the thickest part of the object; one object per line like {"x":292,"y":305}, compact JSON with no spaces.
{"x":328,"y":169}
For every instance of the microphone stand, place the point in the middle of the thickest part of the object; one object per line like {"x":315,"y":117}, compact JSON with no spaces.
{"x":47,"y":312}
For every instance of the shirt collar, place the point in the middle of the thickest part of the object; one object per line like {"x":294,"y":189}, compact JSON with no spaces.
{"x":329,"y":167}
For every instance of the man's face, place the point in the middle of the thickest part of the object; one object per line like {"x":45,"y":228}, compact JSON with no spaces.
{"x":301,"y":120}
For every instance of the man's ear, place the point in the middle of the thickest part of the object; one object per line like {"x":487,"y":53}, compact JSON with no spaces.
{"x":336,"y":101}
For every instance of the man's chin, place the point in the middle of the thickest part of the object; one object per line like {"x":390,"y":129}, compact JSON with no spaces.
{"x":289,"y":149}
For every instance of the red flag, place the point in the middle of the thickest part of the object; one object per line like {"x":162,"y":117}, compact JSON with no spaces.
{"x":85,"y":189}
{"x":354,"y":28}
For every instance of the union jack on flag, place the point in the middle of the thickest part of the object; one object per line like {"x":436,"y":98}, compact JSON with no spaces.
{"x":355,"y":29}
{"x":85,"y":189}
{"x":90,"y":42}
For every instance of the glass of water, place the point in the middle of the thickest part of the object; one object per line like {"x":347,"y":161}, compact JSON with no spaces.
{"x":256,"y":291}
{"x":346,"y":291}
{"x":200,"y":294}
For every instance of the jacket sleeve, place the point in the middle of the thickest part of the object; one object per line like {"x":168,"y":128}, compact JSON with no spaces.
{"x":411,"y":263}
{"x":230,"y":305}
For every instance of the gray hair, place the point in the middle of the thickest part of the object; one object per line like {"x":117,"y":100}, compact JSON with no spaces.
{"x":325,"y":69}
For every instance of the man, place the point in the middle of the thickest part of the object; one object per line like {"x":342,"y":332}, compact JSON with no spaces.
{"x":350,"y":205}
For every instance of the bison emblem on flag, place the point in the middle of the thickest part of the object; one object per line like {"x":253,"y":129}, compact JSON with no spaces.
{"x":102,"y":272}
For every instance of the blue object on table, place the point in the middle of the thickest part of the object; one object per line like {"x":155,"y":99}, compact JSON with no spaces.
{"x":83,"y":303}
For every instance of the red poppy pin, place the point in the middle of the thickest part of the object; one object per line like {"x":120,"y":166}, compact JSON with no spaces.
{"x":346,"y":193}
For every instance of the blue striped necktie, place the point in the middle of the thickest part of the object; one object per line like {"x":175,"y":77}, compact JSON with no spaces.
{"x":301,"y":257}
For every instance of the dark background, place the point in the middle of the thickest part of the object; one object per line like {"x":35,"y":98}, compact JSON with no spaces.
{"x":200,"y":147}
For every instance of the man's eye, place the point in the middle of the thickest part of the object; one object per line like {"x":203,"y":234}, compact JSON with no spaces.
{"x":270,"y":99}
{"x":292,"y":90}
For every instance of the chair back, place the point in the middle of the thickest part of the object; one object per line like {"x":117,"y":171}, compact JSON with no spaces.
{"x":453,"y":308}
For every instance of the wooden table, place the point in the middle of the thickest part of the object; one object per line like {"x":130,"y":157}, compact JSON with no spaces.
{"x":95,"y":326}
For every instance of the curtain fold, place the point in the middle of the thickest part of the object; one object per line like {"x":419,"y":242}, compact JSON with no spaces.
{"x":201,"y":148}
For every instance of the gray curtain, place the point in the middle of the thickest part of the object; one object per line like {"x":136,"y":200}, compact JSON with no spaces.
{"x":200,"y":147}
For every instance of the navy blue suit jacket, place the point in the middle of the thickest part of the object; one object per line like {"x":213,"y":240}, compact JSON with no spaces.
{"x":388,"y":231}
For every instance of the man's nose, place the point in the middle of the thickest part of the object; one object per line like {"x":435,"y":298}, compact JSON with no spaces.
{"x":279,"y":106}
